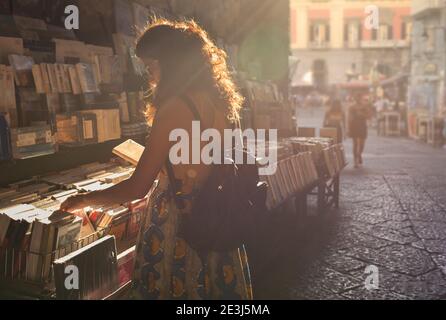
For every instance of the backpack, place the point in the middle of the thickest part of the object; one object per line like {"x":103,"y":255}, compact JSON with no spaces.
{"x":227,"y":209}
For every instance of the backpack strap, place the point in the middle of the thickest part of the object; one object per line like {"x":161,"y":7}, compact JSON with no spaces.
{"x":174,"y":183}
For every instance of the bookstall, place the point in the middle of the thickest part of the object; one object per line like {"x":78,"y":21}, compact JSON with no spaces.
{"x":427,"y":128}
{"x":63,"y":88}
{"x":35,"y":237}
{"x":265,"y":107}
{"x":69,"y":99}
{"x":37,"y":240}
{"x":389,"y":123}
{"x":307,"y":167}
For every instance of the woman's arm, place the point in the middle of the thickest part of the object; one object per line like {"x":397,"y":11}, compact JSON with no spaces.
{"x":171,"y":116}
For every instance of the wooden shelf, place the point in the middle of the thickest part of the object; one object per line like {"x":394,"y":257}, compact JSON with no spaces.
{"x":67,"y":158}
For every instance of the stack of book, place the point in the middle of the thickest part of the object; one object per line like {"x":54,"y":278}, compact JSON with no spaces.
{"x":334,"y":160}
{"x":29,"y":237}
{"x":293,"y":175}
{"x":33,"y":227}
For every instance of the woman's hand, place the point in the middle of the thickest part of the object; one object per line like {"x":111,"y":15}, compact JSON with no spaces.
{"x":74,"y":203}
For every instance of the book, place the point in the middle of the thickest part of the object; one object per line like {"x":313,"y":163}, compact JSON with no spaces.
{"x":59,"y":77}
{"x":97,"y":267}
{"x":93,"y":51}
{"x":74,"y":80}
{"x":8,"y":217}
{"x":66,"y":83}
{"x":38,"y":78}
{"x":123,"y":108}
{"x":137,"y":209}
{"x":71,"y":52}
{"x":118,"y":225}
{"x":51,"y":69}
{"x":53,"y":103}
{"x":45,"y":78}
{"x":22,"y":66}
{"x":108,"y":124}
{"x":130,"y":151}
{"x":112,"y":215}
{"x":87,"y":78}
{"x":108,"y":69}
{"x":126,"y":261}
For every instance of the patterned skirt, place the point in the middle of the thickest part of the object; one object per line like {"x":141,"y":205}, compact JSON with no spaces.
{"x":166,"y":268}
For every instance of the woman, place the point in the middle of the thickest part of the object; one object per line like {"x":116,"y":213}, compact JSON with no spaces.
{"x":185,"y":67}
{"x":358,"y":116}
{"x":335,"y":118}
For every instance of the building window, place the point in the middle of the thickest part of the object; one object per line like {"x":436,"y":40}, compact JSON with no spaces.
{"x":406,"y":30}
{"x":384,"y":32}
{"x":352,"y":33}
{"x":320,"y":33}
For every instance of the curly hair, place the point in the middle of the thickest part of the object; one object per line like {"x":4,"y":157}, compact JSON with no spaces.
{"x":189,"y":60}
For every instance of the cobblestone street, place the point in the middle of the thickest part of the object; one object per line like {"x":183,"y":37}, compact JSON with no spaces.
{"x":392,"y":215}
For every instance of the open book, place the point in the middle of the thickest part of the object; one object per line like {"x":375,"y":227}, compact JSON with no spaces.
{"x":130,"y":151}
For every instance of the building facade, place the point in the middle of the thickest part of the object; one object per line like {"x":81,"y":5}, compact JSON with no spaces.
{"x":427,"y":82}
{"x":256,"y":33}
{"x":333,"y":44}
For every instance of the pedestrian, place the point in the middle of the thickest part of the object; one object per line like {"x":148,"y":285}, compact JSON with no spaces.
{"x":335,"y":118}
{"x":186,"y":68}
{"x":357,"y":128}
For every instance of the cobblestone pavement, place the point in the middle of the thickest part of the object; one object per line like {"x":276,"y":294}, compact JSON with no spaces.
{"x":392,"y":215}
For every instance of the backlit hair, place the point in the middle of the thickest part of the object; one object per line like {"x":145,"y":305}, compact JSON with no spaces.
{"x":189,"y":60}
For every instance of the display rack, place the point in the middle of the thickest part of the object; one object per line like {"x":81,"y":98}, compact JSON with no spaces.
{"x":13,"y":276}
{"x":66,"y":158}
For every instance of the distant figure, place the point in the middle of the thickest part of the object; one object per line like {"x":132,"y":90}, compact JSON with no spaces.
{"x":358,"y":116}
{"x":335,"y":118}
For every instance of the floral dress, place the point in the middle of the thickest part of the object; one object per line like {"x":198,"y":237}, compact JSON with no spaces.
{"x":167,"y":268}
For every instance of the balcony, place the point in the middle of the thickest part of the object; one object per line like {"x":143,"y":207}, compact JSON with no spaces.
{"x":319,"y":45}
{"x":378,"y":44}
{"x":425,"y":7}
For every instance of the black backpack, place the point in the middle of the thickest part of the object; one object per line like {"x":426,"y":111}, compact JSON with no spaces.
{"x":228,"y":208}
